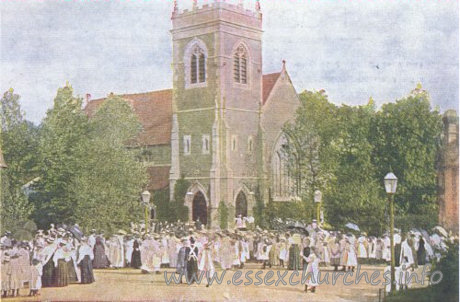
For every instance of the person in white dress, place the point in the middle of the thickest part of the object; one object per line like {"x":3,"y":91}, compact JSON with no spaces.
{"x":312,"y":271}
{"x":406,"y":257}
{"x":236,"y":253}
{"x":352,"y":261}
{"x":284,"y":252}
{"x":244,"y":251}
{"x":240,"y":223}
{"x":265,"y":252}
{"x":205,"y":263}
{"x":362,"y":251}
{"x":129,"y":244}
{"x":386,"y":252}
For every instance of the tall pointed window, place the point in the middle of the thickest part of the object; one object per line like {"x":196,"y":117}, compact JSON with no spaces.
{"x":198,"y":66}
{"x":195,"y":64}
{"x":283,"y":184}
{"x":240,"y":63}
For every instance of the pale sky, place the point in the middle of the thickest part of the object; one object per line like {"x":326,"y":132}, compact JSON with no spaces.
{"x":351,"y":48}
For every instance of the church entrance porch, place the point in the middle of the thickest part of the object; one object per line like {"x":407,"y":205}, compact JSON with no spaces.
{"x":199,"y":208}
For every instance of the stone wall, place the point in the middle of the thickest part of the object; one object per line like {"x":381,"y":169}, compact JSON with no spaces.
{"x":448,"y":173}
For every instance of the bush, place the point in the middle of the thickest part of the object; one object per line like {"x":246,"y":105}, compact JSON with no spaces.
{"x":449,"y":268}
{"x":223,"y":215}
{"x":164,"y":207}
{"x":178,"y":207}
{"x":446,"y":290}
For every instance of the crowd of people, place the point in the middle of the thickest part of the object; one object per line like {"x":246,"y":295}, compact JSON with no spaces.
{"x":61,"y":256}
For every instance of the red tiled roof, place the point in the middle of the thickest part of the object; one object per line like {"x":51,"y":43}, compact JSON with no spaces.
{"x":154,"y":110}
{"x":268,"y":81}
{"x":158,"y":177}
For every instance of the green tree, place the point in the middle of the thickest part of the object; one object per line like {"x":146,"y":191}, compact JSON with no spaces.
{"x":111,"y":178}
{"x":354,"y":194}
{"x":259,"y":209}
{"x":64,"y":133}
{"x":308,"y":143}
{"x":223,"y":215}
{"x":19,"y":146}
{"x":406,"y":136}
{"x":163,"y":204}
{"x":180,"y":191}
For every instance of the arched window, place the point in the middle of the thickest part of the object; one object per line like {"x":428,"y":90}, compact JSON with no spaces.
{"x":198,"y":66}
{"x":195,"y":57}
{"x":240,"y":63}
{"x":282,"y":182}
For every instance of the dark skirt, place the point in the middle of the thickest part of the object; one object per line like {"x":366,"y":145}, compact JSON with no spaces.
{"x":335,"y":261}
{"x":192,"y":269}
{"x":136,"y":259}
{"x":72,"y":273}
{"x":61,"y":274}
{"x":48,"y":274}
{"x":397,"y":253}
{"x":294,"y":257}
{"x":86,"y":268}
{"x":421,"y":256}
{"x":100,"y":258}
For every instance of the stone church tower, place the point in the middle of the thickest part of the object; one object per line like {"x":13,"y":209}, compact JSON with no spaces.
{"x":217,"y":99}
{"x":220,"y":126}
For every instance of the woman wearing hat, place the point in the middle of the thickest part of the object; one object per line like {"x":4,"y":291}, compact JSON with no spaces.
{"x":192,"y":261}
{"x":136,"y":255}
{"x":181,"y":265}
{"x":206,"y":264}
{"x":100,"y":257}
{"x":36,"y":272}
{"x":284,"y":252}
{"x":6,"y":269}
{"x":16,"y":270}
{"x":265,"y":253}
{"x":294,"y":252}
{"x":306,"y":251}
{"x":60,"y":259}
{"x":312,"y":271}
{"x":334,"y":250}
{"x":352,"y":260}
{"x":46,"y":256}
{"x":85,"y":262}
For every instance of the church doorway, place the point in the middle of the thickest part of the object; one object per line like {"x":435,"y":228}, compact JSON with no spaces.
{"x":199,"y":208}
{"x":241,"y":206}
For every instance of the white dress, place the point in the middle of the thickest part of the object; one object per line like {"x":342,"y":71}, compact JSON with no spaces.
{"x":264,"y":255}
{"x":313,"y":268}
{"x":284,"y":252}
{"x":244,"y":252}
{"x":351,"y":259}
{"x":386,"y":254}
{"x":129,"y":250}
{"x":406,"y":256}
{"x":362,"y":253}
{"x":236,"y":254}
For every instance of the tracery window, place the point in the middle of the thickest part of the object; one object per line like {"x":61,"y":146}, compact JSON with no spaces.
{"x":240,"y":65}
{"x":197,"y":66}
{"x":282,"y":183}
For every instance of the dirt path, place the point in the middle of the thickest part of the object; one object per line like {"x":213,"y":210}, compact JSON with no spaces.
{"x":132,"y":285}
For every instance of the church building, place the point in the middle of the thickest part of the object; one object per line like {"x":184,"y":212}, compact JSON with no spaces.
{"x":220,"y":126}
